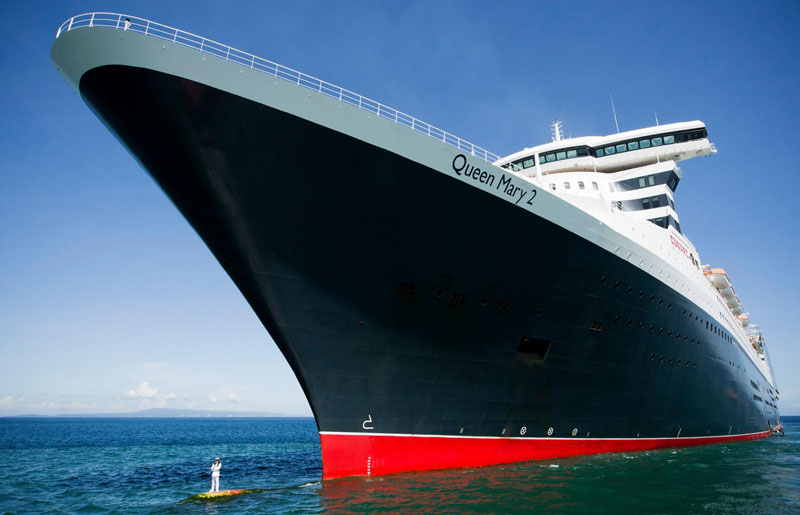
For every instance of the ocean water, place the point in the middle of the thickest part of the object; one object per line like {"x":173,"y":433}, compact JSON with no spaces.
{"x":153,"y":465}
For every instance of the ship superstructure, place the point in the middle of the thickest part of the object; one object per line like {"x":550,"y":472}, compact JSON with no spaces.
{"x":440,"y":306}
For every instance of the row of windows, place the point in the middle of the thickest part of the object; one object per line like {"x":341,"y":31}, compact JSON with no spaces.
{"x":616,"y":148}
{"x":567,"y":185}
{"x":666,"y":221}
{"x":709,"y":326}
{"x":640,"y":204}
{"x":669,"y":178}
{"x":671,"y":360}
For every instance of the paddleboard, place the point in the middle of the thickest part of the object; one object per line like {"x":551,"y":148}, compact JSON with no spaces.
{"x":222,"y":494}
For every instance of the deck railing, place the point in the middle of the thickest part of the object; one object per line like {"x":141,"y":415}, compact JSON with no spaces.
{"x":150,"y":28}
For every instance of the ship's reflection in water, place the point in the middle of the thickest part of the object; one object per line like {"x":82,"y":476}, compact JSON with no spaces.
{"x":505,"y":488}
{"x":741,"y":477}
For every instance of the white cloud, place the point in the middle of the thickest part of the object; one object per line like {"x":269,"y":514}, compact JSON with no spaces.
{"x":149,"y":396}
{"x":211,"y":398}
{"x":230,"y":395}
{"x":7,"y":400}
{"x":143,"y":391}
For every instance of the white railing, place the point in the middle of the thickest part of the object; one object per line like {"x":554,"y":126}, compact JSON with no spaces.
{"x":150,"y":28}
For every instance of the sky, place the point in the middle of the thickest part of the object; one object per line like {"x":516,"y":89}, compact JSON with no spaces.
{"x":109,"y":302}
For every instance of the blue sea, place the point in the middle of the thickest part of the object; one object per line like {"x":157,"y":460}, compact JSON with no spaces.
{"x":153,"y":465}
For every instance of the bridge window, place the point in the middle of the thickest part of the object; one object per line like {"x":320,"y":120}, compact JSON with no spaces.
{"x":633,"y":145}
{"x":669,"y":140}
{"x":580,"y":185}
{"x":622,"y":147}
{"x":657,"y":142}
{"x":571,"y":154}
{"x":527,"y":163}
{"x":645,"y":143}
{"x":560,"y":156}
{"x":670,"y":178}
{"x":594,"y":186}
{"x":610,"y":150}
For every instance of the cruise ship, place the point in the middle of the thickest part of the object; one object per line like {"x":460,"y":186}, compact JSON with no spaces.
{"x":441,"y":306}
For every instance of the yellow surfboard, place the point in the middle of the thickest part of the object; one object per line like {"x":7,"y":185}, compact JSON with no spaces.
{"x":222,"y":494}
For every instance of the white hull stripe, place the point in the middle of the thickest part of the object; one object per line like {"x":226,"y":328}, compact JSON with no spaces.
{"x":406,"y":435}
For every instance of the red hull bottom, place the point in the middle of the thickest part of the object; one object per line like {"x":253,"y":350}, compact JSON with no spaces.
{"x":375,"y":455}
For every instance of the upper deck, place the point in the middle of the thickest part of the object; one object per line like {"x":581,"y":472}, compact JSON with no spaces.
{"x":614,"y":153}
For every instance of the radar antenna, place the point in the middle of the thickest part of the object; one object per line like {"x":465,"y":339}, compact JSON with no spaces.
{"x":556,"y":130}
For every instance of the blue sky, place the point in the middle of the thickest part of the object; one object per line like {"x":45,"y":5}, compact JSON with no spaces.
{"x":110,"y":302}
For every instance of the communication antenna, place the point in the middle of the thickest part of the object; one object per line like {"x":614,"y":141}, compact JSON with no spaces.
{"x":656,"y":118}
{"x":556,"y":131}
{"x":613,"y":110}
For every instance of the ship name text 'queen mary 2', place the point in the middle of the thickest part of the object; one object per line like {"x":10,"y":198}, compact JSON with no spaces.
{"x":441,"y":306}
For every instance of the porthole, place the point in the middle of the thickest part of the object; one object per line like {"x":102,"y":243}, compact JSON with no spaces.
{"x":669,"y":306}
{"x":652,"y":297}
{"x":641,"y":294}
{"x":679,"y":362}
{"x":523,"y":430}
{"x":687,"y":363}
{"x":670,"y":361}
{"x":651,"y":328}
{"x":629,"y":322}
{"x":603,"y":280}
{"x":616,"y":285}
{"x":616,"y":319}
{"x":575,"y":431}
{"x":438,"y":293}
{"x":678,"y":336}
{"x":669,"y":333}
{"x":641,"y":325}
{"x":652,"y":356}
{"x":550,"y":432}
{"x":660,"y":302}
{"x":630,"y":290}
{"x":661,"y":358}
{"x":685,"y":338}
{"x":684,"y":312}
{"x":661,"y":332}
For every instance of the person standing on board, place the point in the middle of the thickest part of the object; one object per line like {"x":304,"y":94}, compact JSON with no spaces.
{"x":215,"y":475}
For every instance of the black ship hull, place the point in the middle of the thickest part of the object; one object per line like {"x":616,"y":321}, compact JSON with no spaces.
{"x":429,"y":323}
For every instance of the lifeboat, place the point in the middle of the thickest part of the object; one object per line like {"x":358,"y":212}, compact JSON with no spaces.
{"x":737,"y":310}
{"x":743,"y":319}
{"x":718,"y":277}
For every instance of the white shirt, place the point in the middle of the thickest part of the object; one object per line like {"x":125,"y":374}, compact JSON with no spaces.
{"x":215,"y":469}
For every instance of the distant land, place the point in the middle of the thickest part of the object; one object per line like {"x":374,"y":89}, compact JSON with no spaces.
{"x":165,"y":413}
